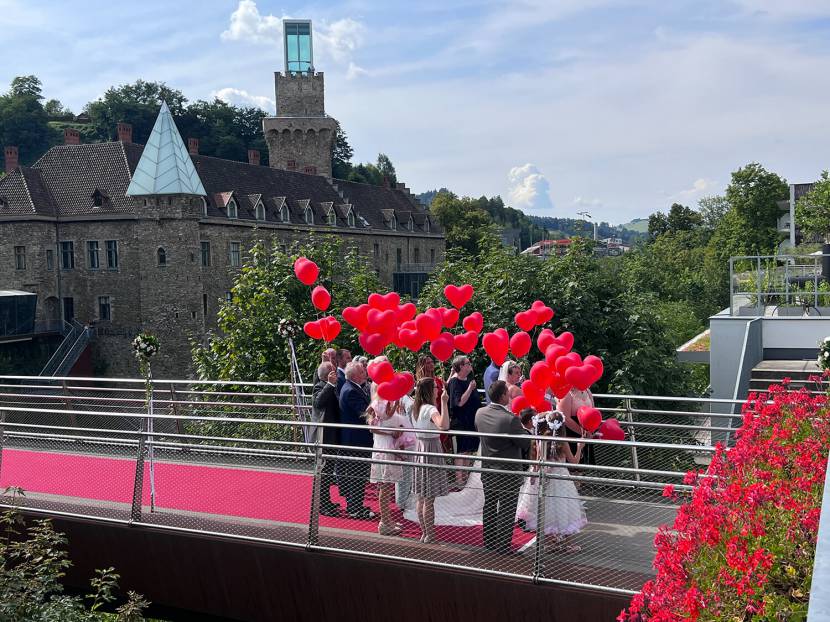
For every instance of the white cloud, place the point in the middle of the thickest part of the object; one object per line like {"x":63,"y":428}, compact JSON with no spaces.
{"x":240,"y":97}
{"x":700,"y":187}
{"x":786,"y":10}
{"x":335,"y":42}
{"x":582,"y":202}
{"x":248,"y":25}
{"x":529,"y":189}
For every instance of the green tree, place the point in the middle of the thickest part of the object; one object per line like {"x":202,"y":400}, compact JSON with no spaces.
{"x":386,"y":169}
{"x":466,"y":225}
{"x":266,"y":292}
{"x":137,"y":104}
{"x":812,"y":212}
{"x":56,"y":110}
{"x":679,"y":218}
{"x":341,"y":154}
{"x":23,"y":121}
{"x":753,"y":195}
{"x":712,"y":209}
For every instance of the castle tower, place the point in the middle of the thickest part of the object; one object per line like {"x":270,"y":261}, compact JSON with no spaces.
{"x":301,"y":136}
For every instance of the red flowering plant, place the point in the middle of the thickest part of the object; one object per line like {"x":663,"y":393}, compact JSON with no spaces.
{"x":743,"y":542}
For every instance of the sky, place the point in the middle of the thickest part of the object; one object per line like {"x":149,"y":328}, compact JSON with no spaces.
{"x":614,"y":107}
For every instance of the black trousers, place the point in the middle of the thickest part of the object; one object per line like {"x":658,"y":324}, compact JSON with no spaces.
{"x":352,"y":477}
{"x":501,"y":496}
{"x":327,"y":480}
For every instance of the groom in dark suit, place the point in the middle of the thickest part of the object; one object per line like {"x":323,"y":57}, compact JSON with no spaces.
{"x":501,"y":491}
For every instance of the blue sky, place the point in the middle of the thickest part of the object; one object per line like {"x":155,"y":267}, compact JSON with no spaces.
{"x":559,"y":106}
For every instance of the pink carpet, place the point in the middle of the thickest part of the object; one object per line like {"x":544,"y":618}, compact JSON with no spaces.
{"x":282,"y":497}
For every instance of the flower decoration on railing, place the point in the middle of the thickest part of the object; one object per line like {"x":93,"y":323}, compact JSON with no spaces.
{"x":146,"y":346}
{"x":288,"y":329}
{"x":824,"y":353}
{"x":742,"y":545}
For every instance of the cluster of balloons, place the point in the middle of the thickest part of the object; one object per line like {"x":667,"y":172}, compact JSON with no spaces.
{"x":328,"y":327}
{"x":383,"y":320}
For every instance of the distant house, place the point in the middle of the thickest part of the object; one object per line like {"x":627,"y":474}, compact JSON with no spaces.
{"x":548,"y":248}
{"x":786,"y":217}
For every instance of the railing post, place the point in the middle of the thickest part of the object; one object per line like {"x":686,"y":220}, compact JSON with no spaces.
{"x":758,"y":303}
{"x":138,"y":483}
{"x":175,"y":410}
{"x":539,"y":553}
{"x":73,"y":419}
{"x":314,"y":517}
{"x":635,"y":461}
{"x":732,"y":287}
{"x":2,"y":437}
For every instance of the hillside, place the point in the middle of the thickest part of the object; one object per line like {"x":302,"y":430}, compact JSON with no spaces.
{"x":640,"y":225}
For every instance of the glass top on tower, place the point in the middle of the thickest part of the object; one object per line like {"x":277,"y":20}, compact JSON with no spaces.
{"x":298,"y":51}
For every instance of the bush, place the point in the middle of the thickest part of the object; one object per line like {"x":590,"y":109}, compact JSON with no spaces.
{"x":742,"y":546}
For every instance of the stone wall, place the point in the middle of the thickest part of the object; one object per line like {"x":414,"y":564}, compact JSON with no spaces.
{"x":299,"y":95}
{"x":296,"y":144}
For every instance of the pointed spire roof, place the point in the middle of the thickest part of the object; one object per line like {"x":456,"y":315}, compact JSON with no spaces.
{"x":165,"y":166}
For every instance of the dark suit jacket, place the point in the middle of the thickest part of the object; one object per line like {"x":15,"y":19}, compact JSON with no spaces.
{"x":326,"y":408}
{"x":496,"y":419}
{"x":353,"y":404}
{"x":341,"y":379}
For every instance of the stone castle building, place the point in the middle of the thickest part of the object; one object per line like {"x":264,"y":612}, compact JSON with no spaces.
{"x":126,"y":237}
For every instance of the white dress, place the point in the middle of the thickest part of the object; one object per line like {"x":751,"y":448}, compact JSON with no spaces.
{"x":390,"y":473}
{"x":460,"y":509}
{"x":564,"y":510}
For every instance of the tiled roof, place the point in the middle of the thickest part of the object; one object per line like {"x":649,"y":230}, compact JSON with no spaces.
{"x":65,"y":179}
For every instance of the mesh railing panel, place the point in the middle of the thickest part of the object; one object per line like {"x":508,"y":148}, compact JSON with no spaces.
{"x":232,"y":459}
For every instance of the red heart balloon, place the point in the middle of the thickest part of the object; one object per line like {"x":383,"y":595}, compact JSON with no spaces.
{"x":385,"y":302}
{"x":540,"y":373}
{"x":428,"y":326}
{"x":306,"y":270}
{"x":372,"y":343}
{"x":356,"y":316}
{"x":313,"y":330}
{"x":589,"y":417}
{"x":518,"y":404}
{"x":545,"y":339}
{"x":380,"y":321}
{"x":380,"y":371}
{"x":567,"y":360}
{"x":559,"y":386}
{"x":320,"y":297}
{"x":544,"y":313}
{"x":405,"y":312}
{"x":466,"y":342}
{"x":554,"y":352}
{"x":580,"y":376}
{"x":611,"y":430}
{"x":566,"y":340}
{"x":450,"y":317}
{"x":533,"y":392}
{"x":330,"y":328}
{"x":520,"y":344}
{"x":410,"y":325}
{"x":525,"y":320}
{"x":473,"y":322}
{"x":458,"y":296}
{"x":442,"y":347}
{"x":496,"y":344}
{"x":410,"y":339}
{"x":595,"y":362}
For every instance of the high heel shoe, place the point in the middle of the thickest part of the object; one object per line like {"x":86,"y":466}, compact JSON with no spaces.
{"x":388,"y":530}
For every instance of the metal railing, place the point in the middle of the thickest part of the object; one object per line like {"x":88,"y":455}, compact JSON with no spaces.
{"x":778,"y":285}
{"x":231,"y":458}
{"x":61,"y":362}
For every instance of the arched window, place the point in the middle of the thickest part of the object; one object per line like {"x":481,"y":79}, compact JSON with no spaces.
{"x":309,"y":216}
{"x":331,"y":218}
{"x":233,"y":212}
{"x":260,"y":211}
{"x":350,"y":218}
{"x":204,"y":207}
{"x":284,"y":216}
{"x":161,"y":255}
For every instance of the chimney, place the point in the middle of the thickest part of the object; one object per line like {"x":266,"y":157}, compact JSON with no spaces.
{"x":253,"y":157}
{"x":193,"y":146}
{"x":11,"y":158}
{"x":71,"y":137}
{"x":125,"y":133}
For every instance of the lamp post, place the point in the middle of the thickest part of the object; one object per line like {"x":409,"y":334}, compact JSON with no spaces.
{"x":587,"y":218}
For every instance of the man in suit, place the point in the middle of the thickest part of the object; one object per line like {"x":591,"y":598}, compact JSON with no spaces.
{"x":501,"y":491}
{"x":342,"y":357}
{"x":326,"y":409}
{"x":353,"y":474}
